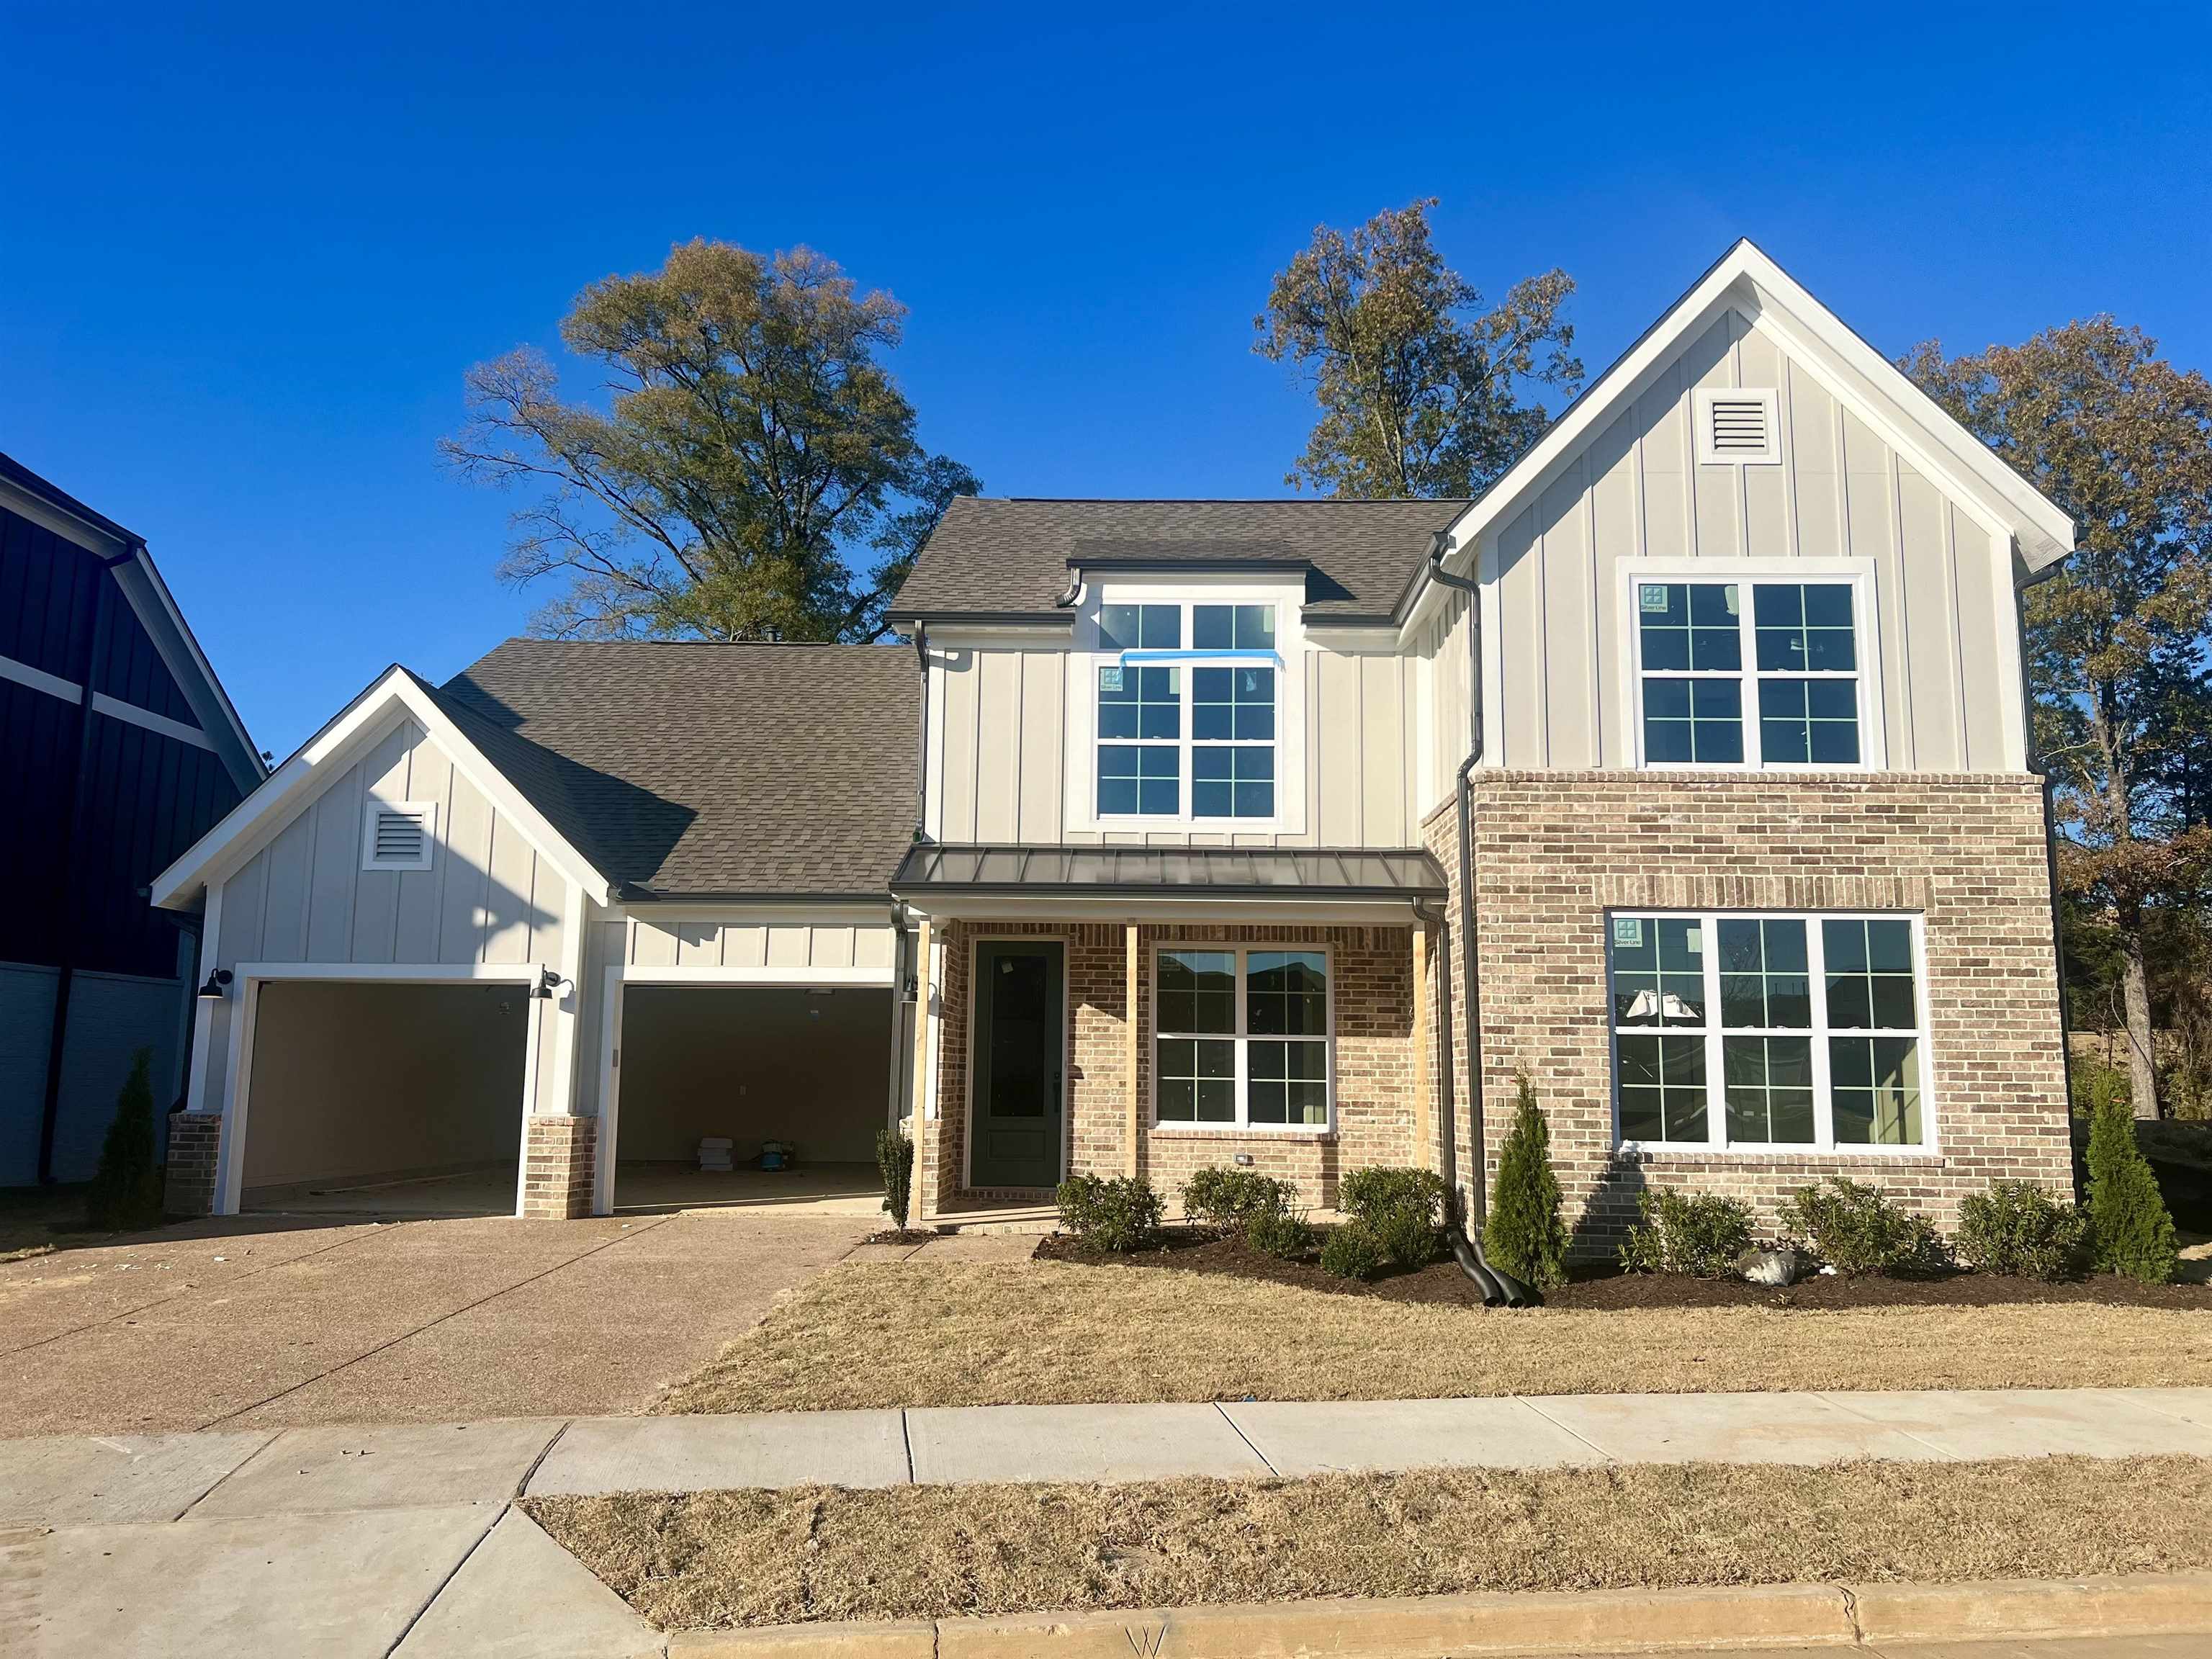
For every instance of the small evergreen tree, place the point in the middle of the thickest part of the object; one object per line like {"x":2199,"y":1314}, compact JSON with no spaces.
{"x":2128,"y":1227}
{"x":126,"y":1188}
{"x":895,"y":1162}
{"x":1525,"y":1235}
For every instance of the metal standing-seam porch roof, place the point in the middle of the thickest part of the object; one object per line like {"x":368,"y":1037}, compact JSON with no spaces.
{"x":1407,"y":874}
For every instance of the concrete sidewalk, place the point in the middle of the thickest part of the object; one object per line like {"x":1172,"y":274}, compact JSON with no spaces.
{"x":400,"y":1538}
{"x":129,"y":1479}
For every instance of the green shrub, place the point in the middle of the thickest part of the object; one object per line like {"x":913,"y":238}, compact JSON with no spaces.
{"x":1408,"y":1236}
{"x":1120,"y":1215}
{"x":895,"y":1162}
{"x":1368,"y":1194}
{"x":2016,"y":1227}
{"x":1352,"y":1251}
{"x":1856,"y":1230}
{"x":126,"y":1188}
{"x":1524,"y":1234}
{"x":1279,"y":1233}
{"x":2129,"y":1229}
{"x":1402,"y":1210}
{"x":1230,"y":1200}
{"x":1700,"y":1234}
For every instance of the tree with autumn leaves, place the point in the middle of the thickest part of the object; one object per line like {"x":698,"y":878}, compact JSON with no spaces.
{"x":2122,"y":439}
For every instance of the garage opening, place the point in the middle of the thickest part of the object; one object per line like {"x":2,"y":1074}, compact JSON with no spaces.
{"x":386,"y":1099}
{"x":800,"y":1078}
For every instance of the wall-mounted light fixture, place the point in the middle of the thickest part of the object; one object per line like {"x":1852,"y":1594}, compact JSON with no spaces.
{"x":548,"y":983}
{"x":215,"y":981}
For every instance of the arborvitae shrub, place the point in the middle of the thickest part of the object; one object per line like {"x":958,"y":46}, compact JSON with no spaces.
{"x":2129,"y":1229}
{"x":895,"y":1162}
{"x":126,"y":1188}
{"x":1524,"y":1234}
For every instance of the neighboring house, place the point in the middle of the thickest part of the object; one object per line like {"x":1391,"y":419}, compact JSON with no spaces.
{"x":1736,"y":715}
{"x":118,"y":748}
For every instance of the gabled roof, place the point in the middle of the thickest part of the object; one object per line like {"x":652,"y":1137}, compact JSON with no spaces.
{"x":397,"y":692}
{"x":1746,"y":279}
{"x":694,"y":769}
{"x":24,"y":491}
{"x":1014,"y":558}
{"x":646,"y":769}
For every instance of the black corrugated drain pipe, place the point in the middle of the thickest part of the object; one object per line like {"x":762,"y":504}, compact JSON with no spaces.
{"x":1498,"y":1286}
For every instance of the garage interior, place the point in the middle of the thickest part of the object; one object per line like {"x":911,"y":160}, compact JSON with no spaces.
{"x":808,"y":1068}
{"x":386,"y":1098}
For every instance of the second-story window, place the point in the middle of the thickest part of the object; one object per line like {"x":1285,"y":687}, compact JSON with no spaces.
{"x":1748,"y":673}
{"x":1187,"y":733}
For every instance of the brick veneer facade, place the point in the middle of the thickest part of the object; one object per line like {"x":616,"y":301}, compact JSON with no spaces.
{"x":559,"y":1159}
{"x":195,"y":1149}
{"x":1374,"y":1082}
{"x":1555,"y":852}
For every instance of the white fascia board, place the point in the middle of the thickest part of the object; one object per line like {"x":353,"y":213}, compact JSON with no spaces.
{"x":1746,"y":279}
{"x":256,"y":820}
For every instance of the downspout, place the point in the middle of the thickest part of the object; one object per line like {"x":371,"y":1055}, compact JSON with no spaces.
{"x":906,"y":964}
{"x":1466,"y":1248}
{"x":2041,"y":765}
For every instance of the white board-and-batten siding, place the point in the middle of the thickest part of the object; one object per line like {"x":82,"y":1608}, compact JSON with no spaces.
{"x":1944,"y":611}
{"x":1002,"y":752}
{"x":488,"y":897}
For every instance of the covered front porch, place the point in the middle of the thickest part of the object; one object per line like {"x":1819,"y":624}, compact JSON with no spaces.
{"x":1149,"y":1012}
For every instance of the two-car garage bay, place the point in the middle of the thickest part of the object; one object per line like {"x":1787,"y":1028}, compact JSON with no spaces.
{"x":383,"y":1097}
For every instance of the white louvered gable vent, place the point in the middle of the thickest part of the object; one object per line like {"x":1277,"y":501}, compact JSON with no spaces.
{"x":1738,"y":428}
{"x":399,"y":835}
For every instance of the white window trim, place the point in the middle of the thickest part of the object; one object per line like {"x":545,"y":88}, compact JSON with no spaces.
{"x":1859,"y":572}
{"x":1768,"y":397}
{"x":1081,"y":795}
{"x":426,"y":810}
{"x":1824,"y":1143}
{"x":1242,"y":1038}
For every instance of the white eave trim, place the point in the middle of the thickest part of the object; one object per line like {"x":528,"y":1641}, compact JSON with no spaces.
{"x":1746,"y":279}
{"x":256,"y":820}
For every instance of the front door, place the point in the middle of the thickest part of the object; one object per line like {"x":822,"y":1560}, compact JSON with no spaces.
{"x":1017,"y":1064}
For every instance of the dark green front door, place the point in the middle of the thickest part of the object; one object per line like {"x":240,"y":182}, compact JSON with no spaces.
{"x":1017,"y":1064}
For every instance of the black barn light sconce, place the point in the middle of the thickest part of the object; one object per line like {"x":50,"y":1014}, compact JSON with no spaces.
{"x":215,"y":981}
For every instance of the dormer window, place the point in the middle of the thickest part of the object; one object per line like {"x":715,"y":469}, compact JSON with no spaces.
{"x":1186,"y":732}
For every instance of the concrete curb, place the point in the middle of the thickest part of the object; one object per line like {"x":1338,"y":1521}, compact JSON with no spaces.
{"x":1841,"y":1616}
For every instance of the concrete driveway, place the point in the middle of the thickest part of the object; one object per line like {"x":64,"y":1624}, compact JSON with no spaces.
{"x":270,"y":1321}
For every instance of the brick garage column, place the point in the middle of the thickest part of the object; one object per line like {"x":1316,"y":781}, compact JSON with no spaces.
{"x":195,"y":1167}
{"x":558,"y":1160}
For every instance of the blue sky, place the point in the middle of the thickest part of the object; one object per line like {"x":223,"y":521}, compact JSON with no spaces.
{"x":248,"y":255}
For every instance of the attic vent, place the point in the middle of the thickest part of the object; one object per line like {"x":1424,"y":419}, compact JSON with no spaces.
{"x":1737,"y":428}
{"x":399,"y":835}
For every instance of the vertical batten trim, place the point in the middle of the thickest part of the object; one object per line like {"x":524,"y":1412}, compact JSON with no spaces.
{"x":1953,"y":604}
{"x":1896,"y":505}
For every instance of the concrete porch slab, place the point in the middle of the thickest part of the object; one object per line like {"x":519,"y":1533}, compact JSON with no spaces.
{"x":65,"y":1480}
{"x":1726,"y":1428}
{"x":954,"y":1446}
{"x":690,"y":1453}
{"x":336,"y":1586}
{"x":520,"y":1596}
{"x":2031,"y":1423}
{"x":1324,"y":1437}
{"x":382,"y":1467}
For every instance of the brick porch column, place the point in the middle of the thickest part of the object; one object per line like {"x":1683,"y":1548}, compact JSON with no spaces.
{"x":194,"y":1166}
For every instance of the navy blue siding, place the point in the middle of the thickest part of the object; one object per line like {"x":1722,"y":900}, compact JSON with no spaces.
{"x":147,"y":797}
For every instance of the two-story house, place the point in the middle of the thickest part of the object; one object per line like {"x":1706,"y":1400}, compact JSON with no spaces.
{"x":1688,"y":768}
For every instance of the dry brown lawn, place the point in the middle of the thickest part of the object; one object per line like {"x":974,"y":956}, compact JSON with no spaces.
{"x":760,"y":1558}
{"x":911,"y":1334}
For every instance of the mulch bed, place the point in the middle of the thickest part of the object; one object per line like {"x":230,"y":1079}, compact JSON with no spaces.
{"x":1599,"y":1285}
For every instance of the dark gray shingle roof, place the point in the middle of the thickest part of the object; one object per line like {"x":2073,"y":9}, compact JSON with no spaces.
{"x":696,"y":769}
{"x":1012,"y":556}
